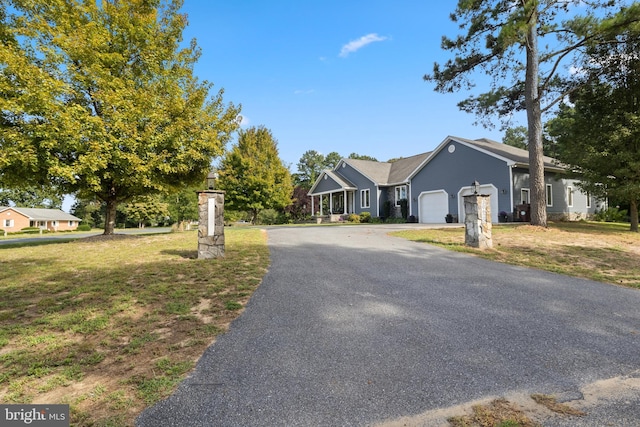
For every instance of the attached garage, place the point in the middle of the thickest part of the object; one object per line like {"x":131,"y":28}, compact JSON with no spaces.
{"x":489,"y":189}
{"x":433,"y":206}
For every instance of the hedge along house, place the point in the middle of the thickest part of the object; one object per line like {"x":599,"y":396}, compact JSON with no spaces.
{"x":14,"y":219}
{"x":435,"y":183}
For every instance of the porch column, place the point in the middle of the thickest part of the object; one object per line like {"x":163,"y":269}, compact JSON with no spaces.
{"x":344,"y":202}
{"x":330,"y":203}
{"x":321,"y":205}
{"x":313,"y":211}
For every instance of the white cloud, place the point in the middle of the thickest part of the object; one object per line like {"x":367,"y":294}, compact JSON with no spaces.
{"x":243,"y":120}
{"x":355,"y":45}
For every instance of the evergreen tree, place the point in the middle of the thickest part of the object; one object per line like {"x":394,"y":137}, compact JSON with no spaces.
{"x":501,"y":38}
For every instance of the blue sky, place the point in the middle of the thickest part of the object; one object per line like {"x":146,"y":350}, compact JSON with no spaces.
{"x":333,"y":75}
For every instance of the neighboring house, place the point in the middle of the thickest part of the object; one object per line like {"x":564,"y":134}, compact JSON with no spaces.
{"x":15,"y":219}
{"x":434,"y":183}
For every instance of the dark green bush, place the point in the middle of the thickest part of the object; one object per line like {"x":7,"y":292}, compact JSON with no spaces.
{"x":611,"y":215}
{"x":84,"y":227}
{"x":365,"y":217}
{"x":404,"y":208}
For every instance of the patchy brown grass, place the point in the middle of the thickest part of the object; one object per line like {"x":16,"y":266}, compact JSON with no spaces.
{"x":599,"y":251}
{"x":111,"y":325}
{"x":498,"y":413}
{"x":553,"y":405}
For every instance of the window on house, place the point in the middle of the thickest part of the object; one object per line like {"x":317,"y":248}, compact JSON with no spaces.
{"x":588,"y":200}
{"x":549,"y":195}
{"x":401,"y":193}
{"x":524,"y":196}
{"x":54,"y":223}
{"x":570,"y":197}
{"x":71,"y":223}
{"x":8,"y":223}
{"x":365,"y":201}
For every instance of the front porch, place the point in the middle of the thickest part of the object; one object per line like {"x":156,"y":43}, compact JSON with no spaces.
{"x":334,"y":206}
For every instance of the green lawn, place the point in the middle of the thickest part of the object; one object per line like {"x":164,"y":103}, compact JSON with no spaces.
{"x":111,"y":326}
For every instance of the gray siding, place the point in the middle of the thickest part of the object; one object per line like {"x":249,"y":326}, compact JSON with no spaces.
{"x":453,"y":171}
{"x":362,"y":183}
{"x":559,"y":195}
{"x":327,"y":185}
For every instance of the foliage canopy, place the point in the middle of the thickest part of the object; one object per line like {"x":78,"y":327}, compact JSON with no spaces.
{"x":99,"y":99}
{"x":252,"y":174}
{"x":501,"y":38}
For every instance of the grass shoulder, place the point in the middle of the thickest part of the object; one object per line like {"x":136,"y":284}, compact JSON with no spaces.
{"x":605,"y":252}
{"x":111,"y":326}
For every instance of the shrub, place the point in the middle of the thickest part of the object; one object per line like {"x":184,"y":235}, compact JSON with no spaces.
{"x":267,"y":217}
{"x":611,"y":215}
{"x":365,"y":217}
{"x":84,"y":227}
{"x":32,"y":230}
{"x":353,"y":218}
{"x":404,"y":208}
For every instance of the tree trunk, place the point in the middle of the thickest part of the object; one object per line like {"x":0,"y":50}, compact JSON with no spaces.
{"x":534,"y":121}
{"x":633,"y":212}
{"x":110,"y":217}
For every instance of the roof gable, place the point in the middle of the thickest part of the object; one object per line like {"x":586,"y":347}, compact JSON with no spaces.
{"x":338,"y":179}
{"x":512,"y":156}
{"x":37,"y":214}
{"x":385,"y":173}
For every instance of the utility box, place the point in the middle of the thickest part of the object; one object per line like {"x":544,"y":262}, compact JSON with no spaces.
{"x":523,"y":212}
{"x":210,"y":224}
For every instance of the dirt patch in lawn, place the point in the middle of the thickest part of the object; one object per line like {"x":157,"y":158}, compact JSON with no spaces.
{"x":111,"y":324}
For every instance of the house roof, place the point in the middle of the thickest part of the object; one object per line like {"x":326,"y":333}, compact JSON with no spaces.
{"x":511,"y":155}
{"x":385,"y":173}
{"x":516,"y":155}
{"x":36,"y":214}
{"x":338,"y":179}
{"x":341,"y":181}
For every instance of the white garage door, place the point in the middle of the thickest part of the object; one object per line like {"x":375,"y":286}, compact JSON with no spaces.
{"x":433,"y":207}
{"x":489,"y":189}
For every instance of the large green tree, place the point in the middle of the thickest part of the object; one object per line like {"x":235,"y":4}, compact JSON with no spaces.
{"x":99,"y":98}
{"x":253,"y":175}
{"x":311,"y":165}
{"x":31,"y":197}
{"x":598,"y":133}
{"x":501,"y":38}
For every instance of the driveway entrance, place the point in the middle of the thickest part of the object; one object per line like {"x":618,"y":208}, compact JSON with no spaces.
{"x":353,"y":327}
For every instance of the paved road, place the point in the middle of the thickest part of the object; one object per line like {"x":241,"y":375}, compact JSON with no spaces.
{"x":77,"y":235}
{"x":351,"y":327}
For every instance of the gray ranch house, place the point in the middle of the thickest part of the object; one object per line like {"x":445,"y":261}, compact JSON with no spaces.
{"x":434,"y":184}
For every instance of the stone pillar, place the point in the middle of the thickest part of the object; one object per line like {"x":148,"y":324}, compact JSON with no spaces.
{"x":477,"y":221}
{"x":210,"y":224}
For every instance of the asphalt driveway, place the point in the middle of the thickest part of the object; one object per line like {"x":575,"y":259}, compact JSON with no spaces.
{"x":352,"y":327}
